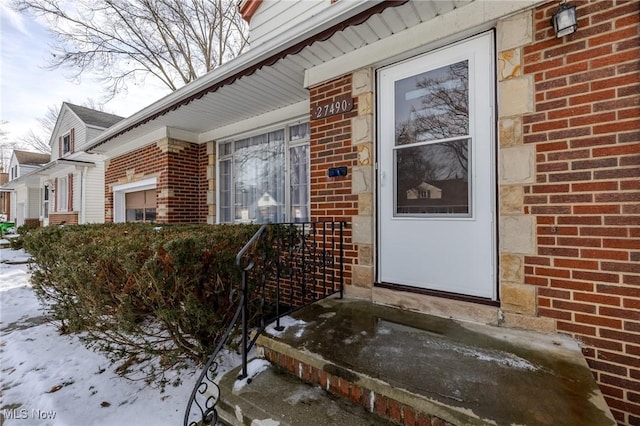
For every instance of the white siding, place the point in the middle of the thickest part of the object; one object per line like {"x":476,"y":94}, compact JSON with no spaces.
{"x":33,"y":205}
{"x":274,"y":17}
{"x":90,"y":134}
{"x":66,"y":122}
{"x":14,"y":164}
{"x":19,"y":208}
{"x":94,"y":202}
{"x":26,"y":169}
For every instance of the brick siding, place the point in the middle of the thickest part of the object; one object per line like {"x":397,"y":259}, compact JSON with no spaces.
{"x":331,"y":199}
{"x":181,"y":179}
{"x":63,"y":219}
{"x":383,"y":405}
{"x":586,"y":130}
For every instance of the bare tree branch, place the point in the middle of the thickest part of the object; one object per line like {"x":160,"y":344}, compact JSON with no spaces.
{"x":126,"y":41}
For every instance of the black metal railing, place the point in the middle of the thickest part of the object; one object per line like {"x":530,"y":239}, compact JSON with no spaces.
{"x":284,"y":267}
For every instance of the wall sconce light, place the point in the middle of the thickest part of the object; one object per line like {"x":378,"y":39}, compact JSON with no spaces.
{"x":565,"y":20}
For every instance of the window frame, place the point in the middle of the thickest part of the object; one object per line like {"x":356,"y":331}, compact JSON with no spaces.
{"x":66,"y":143}
{"x":62,"y":194}
{"x":46,"y":199}
{"x":228,"y":155}
{"x":119,"y":199}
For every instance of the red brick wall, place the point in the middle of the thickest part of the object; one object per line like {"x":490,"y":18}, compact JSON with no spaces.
{"x":178,"y":170}
{"x":330,"y":146}
{"x":184,"y":177}
{"x":586,"y":129}
{"x":63,"y":218}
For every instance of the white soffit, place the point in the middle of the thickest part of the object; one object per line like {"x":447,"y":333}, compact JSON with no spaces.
{"x":282,"y":84}
{"x":440,"y":23}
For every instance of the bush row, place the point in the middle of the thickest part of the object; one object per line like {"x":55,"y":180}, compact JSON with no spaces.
{"x":140,"y":292}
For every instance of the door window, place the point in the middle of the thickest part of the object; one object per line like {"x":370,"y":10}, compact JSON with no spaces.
{"x":432,"y":142}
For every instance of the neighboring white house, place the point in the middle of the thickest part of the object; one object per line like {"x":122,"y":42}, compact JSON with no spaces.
{"x":25,"y":195}
{"x":69,"y":186}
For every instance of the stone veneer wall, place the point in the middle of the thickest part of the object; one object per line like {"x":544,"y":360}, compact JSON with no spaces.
{"x":180,"y":172}
{"x":208,"y":163}
{"x":569,"y":187}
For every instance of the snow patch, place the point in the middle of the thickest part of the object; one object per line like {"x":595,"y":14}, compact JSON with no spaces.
{"x":286,"y":322}
{"x":265,"y":422}
{"x":254,"y":367}
{"x":505,"y":359}
{"x":304,"y":394}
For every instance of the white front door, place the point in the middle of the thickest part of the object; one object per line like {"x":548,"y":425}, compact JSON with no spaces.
{"x":437,"y":170}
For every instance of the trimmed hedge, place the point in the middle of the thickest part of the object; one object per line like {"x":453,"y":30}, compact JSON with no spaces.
{"x":143,"y":293}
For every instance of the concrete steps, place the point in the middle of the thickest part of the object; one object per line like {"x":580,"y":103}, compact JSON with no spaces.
{"x":276,"y":398}
{"x":415,"y":369}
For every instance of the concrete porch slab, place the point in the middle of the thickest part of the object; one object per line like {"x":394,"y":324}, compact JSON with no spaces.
{"x":400,"y":364}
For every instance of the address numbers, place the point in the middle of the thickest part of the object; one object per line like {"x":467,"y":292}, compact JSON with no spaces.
{"x":339,"y":105}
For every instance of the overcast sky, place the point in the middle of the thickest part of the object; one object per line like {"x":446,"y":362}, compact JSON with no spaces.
{"x":27,"y":88}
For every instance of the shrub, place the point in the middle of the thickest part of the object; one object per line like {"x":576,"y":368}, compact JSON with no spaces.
{"x":143,"y":294}
{"x":17,"y":242}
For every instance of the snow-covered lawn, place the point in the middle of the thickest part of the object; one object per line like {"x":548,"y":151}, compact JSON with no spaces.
{"x":52,"y":379}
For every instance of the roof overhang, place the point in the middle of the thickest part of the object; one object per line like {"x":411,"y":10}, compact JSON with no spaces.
{"x":33,"y":179}
{"x":273,"y":76}
{"x":255,"y":82}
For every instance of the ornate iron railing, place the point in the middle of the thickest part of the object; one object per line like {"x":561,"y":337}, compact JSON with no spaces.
{"x":284,"y":267}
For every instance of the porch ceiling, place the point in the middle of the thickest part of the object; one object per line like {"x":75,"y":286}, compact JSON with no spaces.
{"x":271,"y":87}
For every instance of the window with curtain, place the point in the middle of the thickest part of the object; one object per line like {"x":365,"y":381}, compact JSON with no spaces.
{"x":141,"y":206}
{"x":265,"y":178}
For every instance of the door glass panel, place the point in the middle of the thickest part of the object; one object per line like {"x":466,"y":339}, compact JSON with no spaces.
{"x":433,"y":105}
{"x":432,"y":143}
{"x":433,"y":179}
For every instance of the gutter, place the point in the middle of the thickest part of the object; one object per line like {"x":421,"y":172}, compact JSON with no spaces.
{"x":250,"y":62}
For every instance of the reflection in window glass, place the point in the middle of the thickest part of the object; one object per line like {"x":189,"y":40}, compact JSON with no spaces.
{"x":432,"y":142}
{"x":299,"y":160}
{"x":265,"y":178}
{"x":259,"y":178}
{"x":433,"y":105}
{"x":433,"y":179}
{"x":225,"y":191}
{"x":298,"y":132}
{"x":150,"y":215}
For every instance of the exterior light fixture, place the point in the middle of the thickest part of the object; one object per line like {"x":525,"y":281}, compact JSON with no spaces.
{"x":565,"y":20}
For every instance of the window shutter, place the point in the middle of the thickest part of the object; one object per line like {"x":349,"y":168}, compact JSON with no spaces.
{"x":72,"y":141}
{"x":70,"y":192}
{"x":59,"y":146}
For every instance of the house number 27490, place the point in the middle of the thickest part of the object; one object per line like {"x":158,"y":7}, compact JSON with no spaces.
{"x":336,"y":106}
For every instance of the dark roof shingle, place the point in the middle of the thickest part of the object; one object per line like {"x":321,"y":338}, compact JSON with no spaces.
{"x":32,"y":158}
{"x":93,"y":117}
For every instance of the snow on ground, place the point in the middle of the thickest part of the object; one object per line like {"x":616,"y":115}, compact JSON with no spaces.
{"x":50,"y":379}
